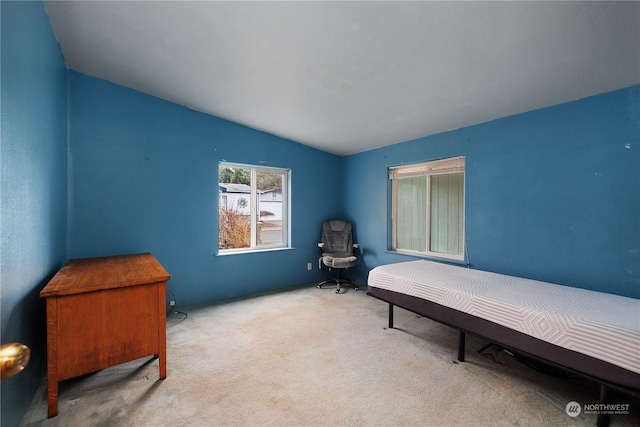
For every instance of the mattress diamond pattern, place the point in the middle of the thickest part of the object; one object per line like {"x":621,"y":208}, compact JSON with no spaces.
{"x":600,"y":325}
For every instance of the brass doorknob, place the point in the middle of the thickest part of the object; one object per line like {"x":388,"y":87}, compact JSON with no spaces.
{"x":13,"y":358}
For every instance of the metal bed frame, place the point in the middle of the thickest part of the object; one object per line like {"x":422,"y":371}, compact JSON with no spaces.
{"x":606,"y":375}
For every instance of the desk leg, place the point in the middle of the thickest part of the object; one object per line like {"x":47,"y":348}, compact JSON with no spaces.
{"x":162,"y":330}
{"x":52,"y":398}
{"x":52,"y":357}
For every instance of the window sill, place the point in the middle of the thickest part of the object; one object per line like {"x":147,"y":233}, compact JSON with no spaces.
{"x":451,"y":260}
{"x":252,"y":251}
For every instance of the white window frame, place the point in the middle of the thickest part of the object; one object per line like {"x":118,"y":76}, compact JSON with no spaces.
{"x":426,"y":169}
{"x":254,"y":213}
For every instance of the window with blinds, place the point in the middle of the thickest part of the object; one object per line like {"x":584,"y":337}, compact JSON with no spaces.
{"x":428,"y":208}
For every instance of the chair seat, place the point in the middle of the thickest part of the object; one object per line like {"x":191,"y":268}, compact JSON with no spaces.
{"x":333,"y":262}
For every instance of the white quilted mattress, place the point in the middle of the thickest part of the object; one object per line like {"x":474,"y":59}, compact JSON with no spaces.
{"x":597,"y":324}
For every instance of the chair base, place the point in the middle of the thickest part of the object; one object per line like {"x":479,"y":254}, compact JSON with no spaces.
{"x":339,"y":283}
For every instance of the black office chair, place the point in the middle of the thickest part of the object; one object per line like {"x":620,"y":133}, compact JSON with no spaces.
{"x":338,"y":251}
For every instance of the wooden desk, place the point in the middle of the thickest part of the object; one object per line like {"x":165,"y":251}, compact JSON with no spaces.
{"x":102,"y":312}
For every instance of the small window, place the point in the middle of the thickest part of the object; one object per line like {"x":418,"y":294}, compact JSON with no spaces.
{"x":428,"y":208}
{"x":248,"y":218}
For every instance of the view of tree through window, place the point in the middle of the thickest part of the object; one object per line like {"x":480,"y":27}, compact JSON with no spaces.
{"x":252,"y":207}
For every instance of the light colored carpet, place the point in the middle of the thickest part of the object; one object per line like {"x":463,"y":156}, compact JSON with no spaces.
{"x":309,"y":357}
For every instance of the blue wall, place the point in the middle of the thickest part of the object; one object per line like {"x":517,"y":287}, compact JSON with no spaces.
{"x":33,"y":193}
{"x":144,"y":176}
{"x":552,"y":194}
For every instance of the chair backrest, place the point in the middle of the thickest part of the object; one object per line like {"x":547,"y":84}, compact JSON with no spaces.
{"x":337,"y":238}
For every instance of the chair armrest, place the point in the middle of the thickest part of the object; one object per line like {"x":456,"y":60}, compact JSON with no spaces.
{"x":356,"y":245}
{"x":321,"y":247}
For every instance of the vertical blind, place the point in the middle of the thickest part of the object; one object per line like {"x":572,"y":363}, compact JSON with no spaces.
{"x":447,"y":203}
{"x":411,"y":214}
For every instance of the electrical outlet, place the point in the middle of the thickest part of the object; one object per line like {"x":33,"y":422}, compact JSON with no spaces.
{"x":309,"y":266}
{"x":172,"y":303}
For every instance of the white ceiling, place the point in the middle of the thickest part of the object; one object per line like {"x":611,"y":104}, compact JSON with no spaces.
{"x":346,"y":77}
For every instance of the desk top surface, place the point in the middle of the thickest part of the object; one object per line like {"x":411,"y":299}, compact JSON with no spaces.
{"x":94,"y":274}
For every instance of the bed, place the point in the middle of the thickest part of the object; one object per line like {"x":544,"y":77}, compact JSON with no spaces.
{"x":592,"y":334}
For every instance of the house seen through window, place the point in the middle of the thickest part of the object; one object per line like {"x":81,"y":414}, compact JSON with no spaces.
{"x":252,"y":208}
{"x":428,"y":208}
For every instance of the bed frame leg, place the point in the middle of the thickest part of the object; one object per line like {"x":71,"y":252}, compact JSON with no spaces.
{"x":390,"y":316}
{"x":461,"y":344}
{"x":603,"y":419}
